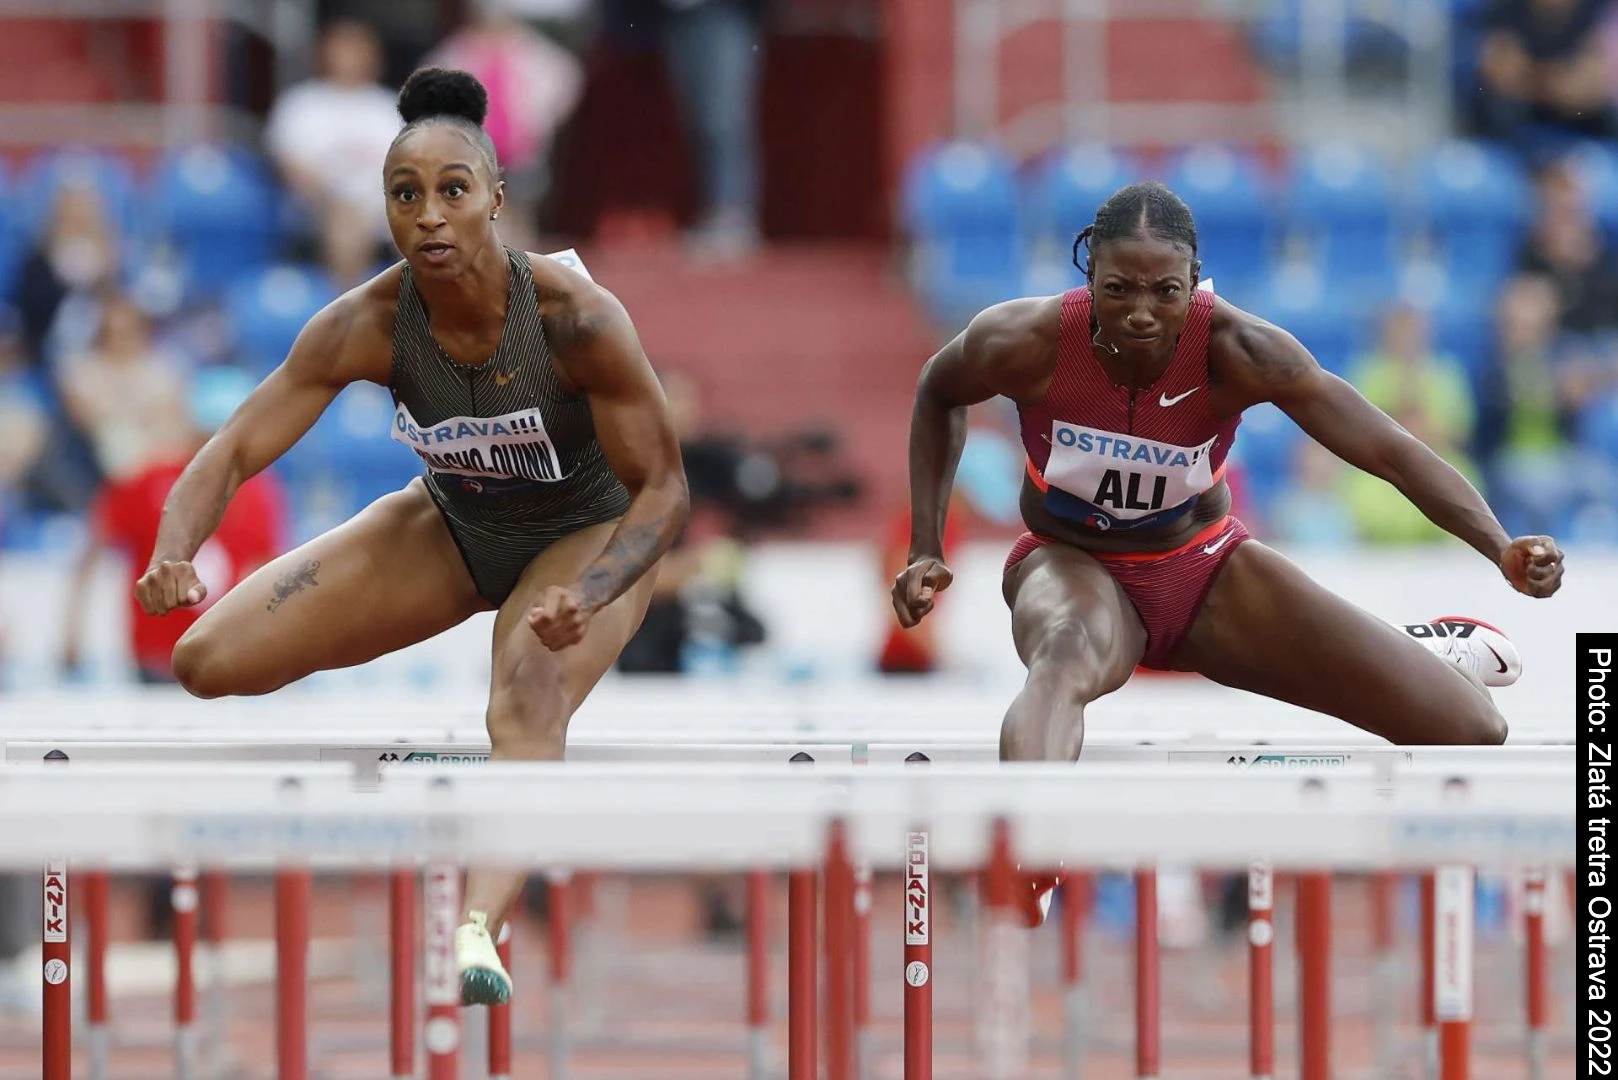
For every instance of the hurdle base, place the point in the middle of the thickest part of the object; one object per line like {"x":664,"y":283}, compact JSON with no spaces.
{"x":98,"y":1045}
{"x":758,"y":1053}
{"x":1537,"y":1054}
{"x":187,"y":1052}
{"x":1076,"y":1012}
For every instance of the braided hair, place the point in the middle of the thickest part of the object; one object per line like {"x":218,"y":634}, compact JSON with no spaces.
{"x":1145,"y":209}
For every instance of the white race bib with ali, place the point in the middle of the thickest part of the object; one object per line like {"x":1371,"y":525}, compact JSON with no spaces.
{"x":509,"y":447}
{"x":1125,"y":476}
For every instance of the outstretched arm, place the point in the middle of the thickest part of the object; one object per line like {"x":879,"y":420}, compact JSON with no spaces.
{"x":327,"y":356}
{"x":597,"y":347}
{"x":1338,"y":416}
{"x":994,"y":355}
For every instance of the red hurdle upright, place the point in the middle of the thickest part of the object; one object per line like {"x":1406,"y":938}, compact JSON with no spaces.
{"x":1261,"y":971}
{"x":185,"y":902}
{"x":1535,"y":994}
{"x":292,"y":892}
{"x":402,"y":974}
{"x":442,"y":1032}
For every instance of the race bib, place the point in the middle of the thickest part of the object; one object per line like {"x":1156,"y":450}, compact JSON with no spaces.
{"x":1123,"y":476}
{"x":510,"y":447}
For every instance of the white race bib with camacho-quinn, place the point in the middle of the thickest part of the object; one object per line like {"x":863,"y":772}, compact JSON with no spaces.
{"x":1125,"y":476}
{"x":510,"y":447}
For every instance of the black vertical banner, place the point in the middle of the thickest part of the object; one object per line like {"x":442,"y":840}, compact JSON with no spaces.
{"x":1595,"y":921}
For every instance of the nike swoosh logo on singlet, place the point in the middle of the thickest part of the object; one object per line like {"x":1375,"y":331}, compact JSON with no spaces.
{"x":502,"y":377}
{"x":1213,"y":549}
{"x":1164,"y":400}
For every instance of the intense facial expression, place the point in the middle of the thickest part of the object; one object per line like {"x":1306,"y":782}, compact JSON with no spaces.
{"x":442,"y":199}
{"x":1142,"y":294}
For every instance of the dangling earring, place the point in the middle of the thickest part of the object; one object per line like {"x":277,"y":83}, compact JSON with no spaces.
{"x":1098,"y":343}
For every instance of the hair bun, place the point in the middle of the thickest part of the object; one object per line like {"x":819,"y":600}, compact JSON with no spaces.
{"x":437,"y":91}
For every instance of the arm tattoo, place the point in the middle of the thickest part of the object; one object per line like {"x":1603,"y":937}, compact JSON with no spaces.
{"x":295,"y":582}
{"x":565,"y":326}
{"x":1275,"y":363}
{"x":630,"y":552}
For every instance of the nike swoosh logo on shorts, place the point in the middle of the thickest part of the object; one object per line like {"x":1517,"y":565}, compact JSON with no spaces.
{"x":1213,"y":549}
{"x":1164,"y":400}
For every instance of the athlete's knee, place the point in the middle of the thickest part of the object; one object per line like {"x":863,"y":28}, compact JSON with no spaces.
{"x":528,"y":710}
{"x":207,"y":666}
{"x":1487,"y":727}
{"x":1073,"y":653}
{"x":1038,"y":729}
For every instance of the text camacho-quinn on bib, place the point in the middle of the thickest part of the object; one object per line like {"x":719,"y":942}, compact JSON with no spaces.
{"x":1125,"y":476}
{"x":510,"y":447}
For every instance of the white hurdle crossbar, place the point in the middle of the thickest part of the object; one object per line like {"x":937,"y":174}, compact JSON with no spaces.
{"x":1432,"y":809}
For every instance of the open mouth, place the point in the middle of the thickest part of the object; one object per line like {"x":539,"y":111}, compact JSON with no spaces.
{"x":435,"y":250}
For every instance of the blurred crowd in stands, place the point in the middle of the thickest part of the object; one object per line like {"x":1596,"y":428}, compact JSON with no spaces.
{"x":1470,"y":290}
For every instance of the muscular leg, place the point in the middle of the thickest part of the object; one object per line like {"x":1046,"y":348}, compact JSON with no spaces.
{"x":534,"y":691}
{"x":389,"y":577}
{"x":1079,"y":637}
{"x":1268,"y":628}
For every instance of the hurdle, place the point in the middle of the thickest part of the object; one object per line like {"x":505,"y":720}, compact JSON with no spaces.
{"x":1313,"y":757}
{"x":782,"y":818}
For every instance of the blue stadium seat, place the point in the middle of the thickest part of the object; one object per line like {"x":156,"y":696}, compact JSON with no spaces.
{"x":12,"y":236}
{"x":1067,"y":189}
{"x":1463,"y":329}
{"x":1476,"y":201}
{"x":363,"y":452}
{"x":1597,"y":164}
{"x":218,"y":206}
{"x":1231,"y":201}
{"x":46,"y":175}
{"x":268,"y":309}
{"x":1598,"y":426}
{"x":1279,"y":35}
{"x":961,"y":206}
{"x":1342,"y":204}
{"x":1265,"y":447}
{"x":1301,"y":302}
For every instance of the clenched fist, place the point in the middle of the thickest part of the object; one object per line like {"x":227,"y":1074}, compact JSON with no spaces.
{"x":915,"y":588}
{"x":1533,"y":565}
{"x":560,"y":617}
{"x":169,"y":585}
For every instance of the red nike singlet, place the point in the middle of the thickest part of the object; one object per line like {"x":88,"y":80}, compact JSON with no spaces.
{"x":1108,"y":457}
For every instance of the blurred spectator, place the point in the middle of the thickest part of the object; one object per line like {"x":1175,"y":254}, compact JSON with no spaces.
{"x":1566,"y":247}
{"x":22,"y":410}
{"x":1525,"y":413}
{"x":1427,"y":394}
{"x":124,"y":521}
{"x":19,"y":930}
{"x":713,"y":49}
{"x":76,"y":254}
{"x":697,"y":619}
{"x":990,"y":472}
{"x":1311,"y":511}
{"x":570,"y":23}
{"x":1542,"y":74}
{"x":534,"y":85}
{"x":329,"y":136}
{"x":123,"y":394}
{"x":912,"y":651}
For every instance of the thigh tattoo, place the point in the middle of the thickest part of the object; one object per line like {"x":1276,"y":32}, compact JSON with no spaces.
{"x":294,"y":582}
